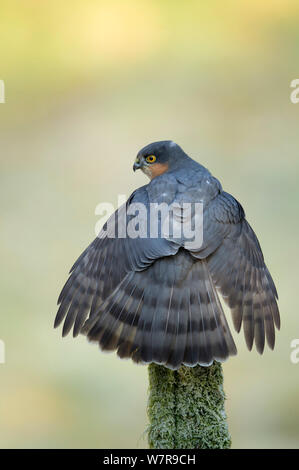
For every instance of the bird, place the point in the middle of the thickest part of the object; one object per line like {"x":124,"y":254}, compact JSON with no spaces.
{"x":157,"y":299}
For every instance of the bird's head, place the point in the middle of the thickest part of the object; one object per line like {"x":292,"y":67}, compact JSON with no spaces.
{"x":159,"y":157}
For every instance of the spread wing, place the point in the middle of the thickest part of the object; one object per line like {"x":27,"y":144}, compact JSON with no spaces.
{"x":237,"y":266}
{"x":105,"y":263}
{"x":168,"y":311}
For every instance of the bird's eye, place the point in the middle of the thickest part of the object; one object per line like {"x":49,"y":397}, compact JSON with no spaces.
{"x":151,"y":159}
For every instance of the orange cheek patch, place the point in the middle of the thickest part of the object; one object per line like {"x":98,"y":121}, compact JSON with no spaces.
{"x":158,"y":169}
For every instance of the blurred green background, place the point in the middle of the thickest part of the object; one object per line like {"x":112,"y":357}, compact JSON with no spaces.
{"x":88,"y":83}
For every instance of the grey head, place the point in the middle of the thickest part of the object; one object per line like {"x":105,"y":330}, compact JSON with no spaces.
{"x":158,"y":157}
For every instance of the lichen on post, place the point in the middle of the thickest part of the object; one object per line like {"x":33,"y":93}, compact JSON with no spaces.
{"x":186,"y":408}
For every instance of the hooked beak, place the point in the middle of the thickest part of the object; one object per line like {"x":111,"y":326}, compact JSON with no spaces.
{"x":137,"y":164}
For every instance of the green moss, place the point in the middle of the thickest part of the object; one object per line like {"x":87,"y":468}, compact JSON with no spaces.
{"x":186,"y":408}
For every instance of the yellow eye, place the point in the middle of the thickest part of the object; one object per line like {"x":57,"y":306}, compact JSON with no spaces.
{"x":151,"y":159}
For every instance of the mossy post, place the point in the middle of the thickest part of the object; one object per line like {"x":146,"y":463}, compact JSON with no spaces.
{"x":186,"y":408}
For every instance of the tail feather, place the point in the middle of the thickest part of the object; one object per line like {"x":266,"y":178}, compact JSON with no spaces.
{"x":164,"y":325}
{"x":129,"y":330}
{"x":151,"y":317}
{"x":148,"y":325}
{"x":175,"y":355}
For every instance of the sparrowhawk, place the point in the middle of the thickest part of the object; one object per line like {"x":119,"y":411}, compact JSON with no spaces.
{"x":156,"y":298}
